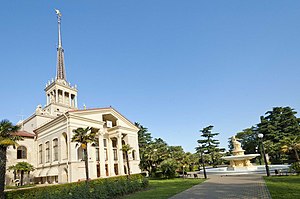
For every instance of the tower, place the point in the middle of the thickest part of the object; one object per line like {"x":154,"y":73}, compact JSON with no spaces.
{"x":61,"y":96}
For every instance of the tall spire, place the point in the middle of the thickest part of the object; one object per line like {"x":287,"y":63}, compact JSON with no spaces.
{"x":60,"y":72}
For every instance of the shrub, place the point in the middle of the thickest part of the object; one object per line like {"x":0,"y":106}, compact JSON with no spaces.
{"x":99,"y":188}
{"x":295,"y":167}
{"x":168,"y":168}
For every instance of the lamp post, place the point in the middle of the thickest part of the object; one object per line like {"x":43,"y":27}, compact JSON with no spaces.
{"x":260,"y":136}
{"x":257,"y":150}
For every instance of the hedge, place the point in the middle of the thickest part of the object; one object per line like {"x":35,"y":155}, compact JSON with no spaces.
{"x":103,"y":188}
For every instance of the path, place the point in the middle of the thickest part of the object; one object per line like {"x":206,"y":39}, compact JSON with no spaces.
{"x":228,"y":187}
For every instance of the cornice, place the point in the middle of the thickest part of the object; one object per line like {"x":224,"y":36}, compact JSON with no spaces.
{"x":53,"y":122}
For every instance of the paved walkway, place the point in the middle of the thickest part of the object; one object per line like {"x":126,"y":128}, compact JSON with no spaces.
{"x":228,"y":187}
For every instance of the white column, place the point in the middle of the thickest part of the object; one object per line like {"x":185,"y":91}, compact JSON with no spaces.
{"x":47,"y":97}
{"x":63,"y":97}
{"x":56,"y":95}
{"x":70,"y":99}
{"x":75,"y":101}
{"x":120,"y":154}
{"x":110,"y":158}
{"x":101,"y":154}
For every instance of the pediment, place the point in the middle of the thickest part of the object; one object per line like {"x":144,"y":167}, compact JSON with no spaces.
{"x":105,"y":114}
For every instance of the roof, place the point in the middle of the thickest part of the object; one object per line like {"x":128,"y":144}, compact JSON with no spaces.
{"x":90,"y":109}
{"x":104,"y":108}
{"x":24,"y":134}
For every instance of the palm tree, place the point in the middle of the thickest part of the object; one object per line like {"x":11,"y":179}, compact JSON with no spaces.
{"x":7,"y":138}
{"x":126,"y":148}
{"x":83,"y":137}
{"x":23,"y":167}
{"x":291,"y":144}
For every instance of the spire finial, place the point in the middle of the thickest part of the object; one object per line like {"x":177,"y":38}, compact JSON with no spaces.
{"x":58,"y":13}
{"x":60,"y":74}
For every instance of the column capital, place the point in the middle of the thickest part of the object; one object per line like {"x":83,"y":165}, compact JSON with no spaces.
{"x":100,"y":132}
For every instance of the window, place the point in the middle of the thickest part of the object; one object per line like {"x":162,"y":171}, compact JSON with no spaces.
{"x":106,"y":169}
{"x":114,"y":143}
{"x":55,"y":149}
{"x":21,"y":152}
{"x":116,"y":169}
{"x":115,"y":151}
{"x":80,"y":154}
{"x":41,"y":154}
{"x":115,"y":154}
{"x":47,"y":152}
{"x":98,"y":170}
{"x":105,"y":149}
{"x":105,"y":154}
{"x":97,"y":154}
{"x":133,"y":154}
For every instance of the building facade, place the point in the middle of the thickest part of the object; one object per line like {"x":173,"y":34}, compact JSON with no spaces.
{"x":47,"y":136}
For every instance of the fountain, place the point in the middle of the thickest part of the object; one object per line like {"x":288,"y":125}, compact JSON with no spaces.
{"x":239,"y":161}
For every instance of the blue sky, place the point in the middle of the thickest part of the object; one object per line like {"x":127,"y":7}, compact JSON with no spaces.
{"x":174,"y":66}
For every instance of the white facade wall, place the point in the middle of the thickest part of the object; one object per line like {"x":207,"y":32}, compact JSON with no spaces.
{"x":68,"y":167}
{"x":12,"y":160}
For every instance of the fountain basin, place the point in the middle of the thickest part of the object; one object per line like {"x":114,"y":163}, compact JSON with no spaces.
{"x":240,"y":157}
{"x":240,"y":162}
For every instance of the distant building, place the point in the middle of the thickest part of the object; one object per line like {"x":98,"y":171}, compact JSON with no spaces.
{"x":47,"y":136}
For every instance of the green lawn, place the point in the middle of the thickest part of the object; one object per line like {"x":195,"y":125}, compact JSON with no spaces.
{"x":287,"y":187}
{"x":165,"y":188}
{"x":24,"y":186}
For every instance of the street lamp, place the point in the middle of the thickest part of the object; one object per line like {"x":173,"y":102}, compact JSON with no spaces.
{"x":260,"y":136}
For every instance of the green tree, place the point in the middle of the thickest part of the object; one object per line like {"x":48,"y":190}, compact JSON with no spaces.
{"x":210,"y":145}
{"x":144,"y":137}
{"x":176,"y":152}
{"x":190,"y":160}
{"x":168,"y":167}
{"x":248,"y":138}
{"x":22,"y":167}
{"x":83,"y":137}
{"x":7,"y":138}
{"x":277,"y":124}
{"x":155,"y":153}
{"x":126,"y":148}
{"x":291,"y":144}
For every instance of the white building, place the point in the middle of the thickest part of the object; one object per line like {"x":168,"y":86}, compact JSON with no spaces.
{"x":47,"y":136}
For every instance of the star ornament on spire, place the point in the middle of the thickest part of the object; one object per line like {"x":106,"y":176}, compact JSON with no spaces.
{"x":58,"y":13}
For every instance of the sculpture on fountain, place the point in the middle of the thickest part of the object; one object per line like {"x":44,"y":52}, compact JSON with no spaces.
{"x":239,"y":161}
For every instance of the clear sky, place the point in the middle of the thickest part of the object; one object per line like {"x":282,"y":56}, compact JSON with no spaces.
{"x":174,"y":66}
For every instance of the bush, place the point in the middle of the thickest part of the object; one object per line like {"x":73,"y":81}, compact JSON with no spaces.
{"x":295,"y":167}
{"x":169,"y":167}
{"x":103,"y":188}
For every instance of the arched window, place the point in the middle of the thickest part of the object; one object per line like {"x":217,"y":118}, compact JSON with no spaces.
{"x":64,"y":146}
{"x":40,"y":153}
{"x":47,"y":148}
{"x":80,"y":154}
{"x":55,"y":149}
{"x":21,"y":152}
{"x":133,"y":154}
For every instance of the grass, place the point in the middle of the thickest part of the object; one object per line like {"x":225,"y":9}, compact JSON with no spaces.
{"x":19,"y":187}
{"x":283,"y":186}
{"x":164,"y":188}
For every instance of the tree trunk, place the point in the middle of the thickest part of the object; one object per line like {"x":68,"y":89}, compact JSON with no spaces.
{"x":86,"y":164}
{"x":127,"y":160}
{"x":2,"y":170}
{"x":22,"y":177}
{"x":203,"y":165}
{"x":297,"y":155}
